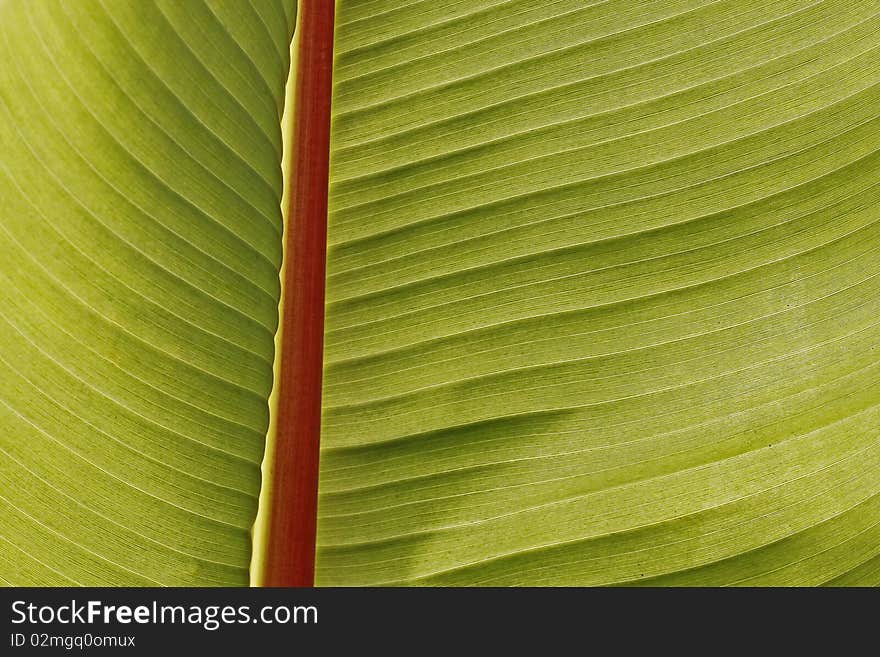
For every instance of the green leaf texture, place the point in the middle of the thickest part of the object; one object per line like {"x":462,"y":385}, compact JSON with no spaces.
{"x":140,"y":232}
{"x":603,"y":294}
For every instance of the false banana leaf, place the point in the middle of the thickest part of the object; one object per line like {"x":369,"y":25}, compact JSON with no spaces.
{"x":601,"y":296}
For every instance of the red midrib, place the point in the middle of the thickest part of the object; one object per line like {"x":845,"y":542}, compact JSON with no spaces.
{"x":290,"y":538}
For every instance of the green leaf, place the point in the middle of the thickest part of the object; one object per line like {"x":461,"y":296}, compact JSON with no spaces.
{"x":603,"y":294}
{"x":140,"y":229}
